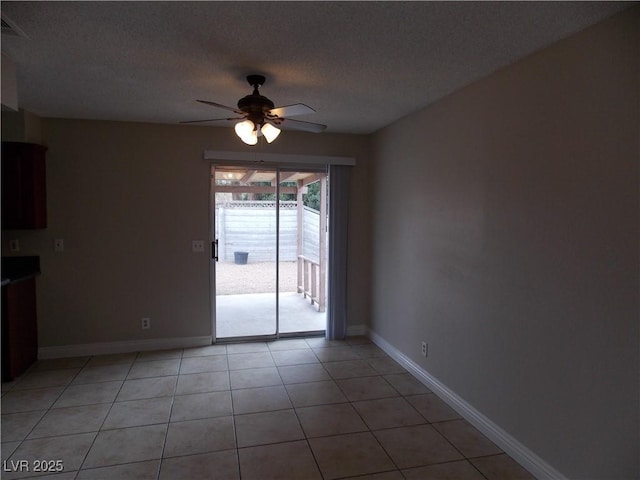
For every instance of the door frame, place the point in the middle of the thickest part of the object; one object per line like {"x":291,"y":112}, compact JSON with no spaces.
{"x":278,"y":168}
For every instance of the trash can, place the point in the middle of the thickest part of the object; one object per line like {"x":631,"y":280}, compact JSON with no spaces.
{"x":240,"y":258}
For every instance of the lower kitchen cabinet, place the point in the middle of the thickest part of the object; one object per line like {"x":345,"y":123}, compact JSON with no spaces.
{"x":19,"y":328}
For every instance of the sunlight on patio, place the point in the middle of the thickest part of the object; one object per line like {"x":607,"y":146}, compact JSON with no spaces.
{"x":246,"y":301}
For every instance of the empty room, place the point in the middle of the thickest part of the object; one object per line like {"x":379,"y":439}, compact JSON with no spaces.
{"x":320,"y":240}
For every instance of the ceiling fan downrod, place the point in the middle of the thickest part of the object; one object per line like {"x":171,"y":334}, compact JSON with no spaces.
{"x":256,"y":81}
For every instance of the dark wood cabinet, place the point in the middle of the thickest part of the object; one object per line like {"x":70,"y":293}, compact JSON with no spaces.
{"x":24,"y":192}
{"x":19,"y":328}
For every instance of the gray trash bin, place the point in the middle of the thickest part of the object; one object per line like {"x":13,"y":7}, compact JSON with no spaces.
{"x":240,"y":258}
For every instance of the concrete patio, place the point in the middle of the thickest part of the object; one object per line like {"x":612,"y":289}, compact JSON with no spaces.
{"x":255,"y":314}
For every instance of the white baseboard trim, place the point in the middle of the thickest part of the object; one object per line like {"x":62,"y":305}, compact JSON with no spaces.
{"x":106,"y":348}
{"x":356,"y":330}
{"x":521,"y":454}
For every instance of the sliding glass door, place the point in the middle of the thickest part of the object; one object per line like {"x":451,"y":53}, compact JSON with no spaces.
{"x":246,"y":243}
{"x":269,"y":252}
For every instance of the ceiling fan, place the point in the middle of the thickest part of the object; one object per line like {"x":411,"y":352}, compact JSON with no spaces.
{"x":258,"y":116}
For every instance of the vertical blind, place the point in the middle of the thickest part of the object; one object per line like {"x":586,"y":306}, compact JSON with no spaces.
{"x":338,"y":246}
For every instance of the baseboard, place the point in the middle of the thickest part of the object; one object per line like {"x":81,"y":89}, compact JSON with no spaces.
{"x":106,"y":348}
{"x":521,"y":454}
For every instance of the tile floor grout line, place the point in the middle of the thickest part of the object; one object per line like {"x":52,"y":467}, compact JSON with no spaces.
{"x":371,"y":432}
{"x":464,"y":457}
{"x":295,"y":412}
{"x":84,"y":459}
{"x":166,"y":433}
{"x":233,"y":419}
{"x":47,"y":410}
{"x":369,"y":429}
{"x":476,"y":468}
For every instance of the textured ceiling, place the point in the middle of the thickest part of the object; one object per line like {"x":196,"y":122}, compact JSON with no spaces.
{"x":360,"y":65}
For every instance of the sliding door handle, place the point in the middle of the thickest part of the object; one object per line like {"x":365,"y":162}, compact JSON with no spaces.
{"x":214,"y":249}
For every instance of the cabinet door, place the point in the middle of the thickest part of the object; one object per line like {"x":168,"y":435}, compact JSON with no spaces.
{"x":19,"y":328}
{"x":24,"y":197}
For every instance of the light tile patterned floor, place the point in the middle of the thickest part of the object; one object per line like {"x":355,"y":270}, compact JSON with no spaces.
{"x":291,"y":409}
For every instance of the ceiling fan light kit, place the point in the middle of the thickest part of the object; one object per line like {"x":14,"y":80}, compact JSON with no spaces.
{"x":247,"y":132}
{"x":270,"y":132}
{"x":260,"y":118}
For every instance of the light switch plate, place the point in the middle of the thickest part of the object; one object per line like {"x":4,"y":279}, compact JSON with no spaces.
{"x":197,"y":246}
{"x":58,"y":245}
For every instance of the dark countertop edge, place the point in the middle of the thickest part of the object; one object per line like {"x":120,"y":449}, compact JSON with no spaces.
{"x":18,"y":268}
{"x":11,"y":281}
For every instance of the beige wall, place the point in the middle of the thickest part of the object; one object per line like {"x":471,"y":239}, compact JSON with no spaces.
{"x":21,"y":126}
{"x":511,"y":209}
{"x":9,"y":86}
{"x":128,"y":199}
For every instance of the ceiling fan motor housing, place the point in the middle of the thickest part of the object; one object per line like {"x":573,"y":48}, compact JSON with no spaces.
{"x":256,"y":106}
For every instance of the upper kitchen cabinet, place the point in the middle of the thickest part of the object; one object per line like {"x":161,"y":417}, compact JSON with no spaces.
{"x":24,"y":192}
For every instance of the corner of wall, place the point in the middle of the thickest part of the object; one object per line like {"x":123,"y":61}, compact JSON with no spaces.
{"x":21,"y":126}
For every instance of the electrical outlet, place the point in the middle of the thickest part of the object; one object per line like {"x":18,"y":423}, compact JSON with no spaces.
{"x":14,"y":245}
{"x":197,"y":246}
{"x":425,"y":349}
{"x":145,"y":323}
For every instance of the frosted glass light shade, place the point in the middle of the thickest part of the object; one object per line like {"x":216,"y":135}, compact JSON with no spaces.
{"x":251,"y":138}
{"x":246,"y":130}
{"x":270,"y":132}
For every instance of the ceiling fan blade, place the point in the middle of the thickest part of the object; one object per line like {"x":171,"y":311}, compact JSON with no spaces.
{"x":291,"y":110}
{"x":215,"y":120}
{"x":289,"y":124}
{"x":214,"y":104}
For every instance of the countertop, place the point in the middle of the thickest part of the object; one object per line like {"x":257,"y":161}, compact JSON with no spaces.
{"x":16,"y":269}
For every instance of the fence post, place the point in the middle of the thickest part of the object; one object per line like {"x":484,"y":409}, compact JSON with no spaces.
{"x":314,"y":283}
{"x":300,"y":229}
{"x":306,"y":278}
